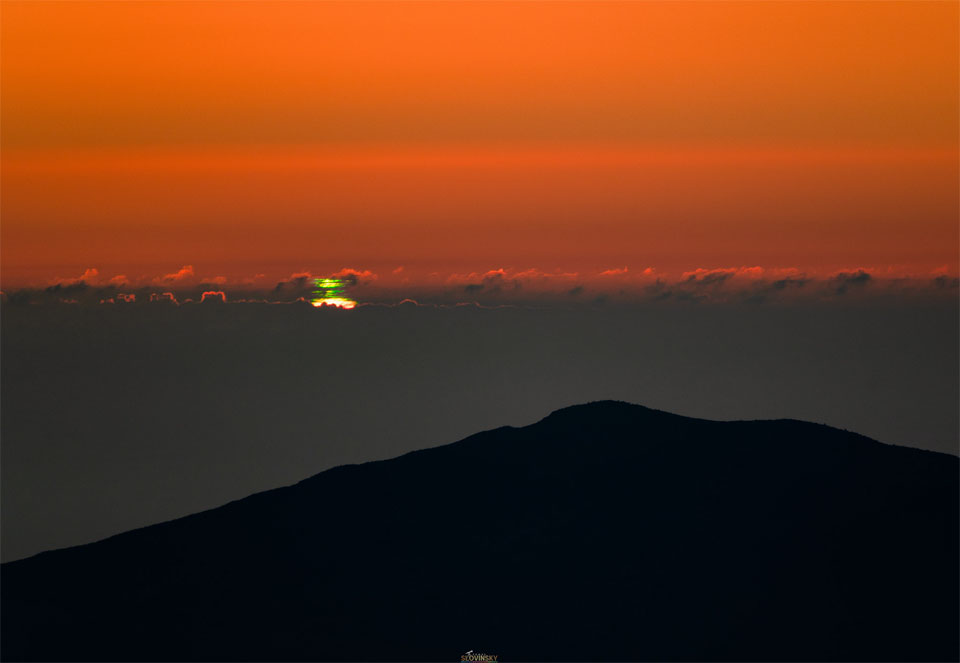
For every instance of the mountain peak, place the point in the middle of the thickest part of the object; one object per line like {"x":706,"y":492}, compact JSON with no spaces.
{"x":605,"y":408}
{"x":631,"y":533}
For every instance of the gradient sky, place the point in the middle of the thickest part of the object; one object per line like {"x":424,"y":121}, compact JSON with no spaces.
{"x":252,"y":137}
{"x":703,"y":207}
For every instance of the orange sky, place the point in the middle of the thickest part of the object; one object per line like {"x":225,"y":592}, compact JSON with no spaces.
{"x":249,"y":137}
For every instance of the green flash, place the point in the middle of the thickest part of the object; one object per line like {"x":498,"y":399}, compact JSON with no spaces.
{"x":332,"y":292}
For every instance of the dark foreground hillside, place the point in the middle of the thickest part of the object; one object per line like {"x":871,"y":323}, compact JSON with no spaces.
{"x":605,"y":531}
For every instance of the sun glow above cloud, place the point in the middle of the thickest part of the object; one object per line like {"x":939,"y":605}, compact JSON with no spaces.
{"x":334,"y":301}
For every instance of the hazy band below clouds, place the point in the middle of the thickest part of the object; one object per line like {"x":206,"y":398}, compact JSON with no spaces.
{"x":117,"y":416}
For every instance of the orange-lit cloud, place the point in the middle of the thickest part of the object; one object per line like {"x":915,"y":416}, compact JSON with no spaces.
{"x":182,"y":274}
{"x":163,"y":297}
{"x":614,"y":272}
{"x":843,"y":281}
{"x":120,"y":298}
{"x":355,"y":275}
{"x":217,"y":295}
{"x":89,"y":276}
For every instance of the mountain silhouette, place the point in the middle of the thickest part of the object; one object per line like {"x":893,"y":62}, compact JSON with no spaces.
{"x":606,"y":531}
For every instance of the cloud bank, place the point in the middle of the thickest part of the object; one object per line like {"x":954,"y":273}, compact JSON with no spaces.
{"x":498,"y":287}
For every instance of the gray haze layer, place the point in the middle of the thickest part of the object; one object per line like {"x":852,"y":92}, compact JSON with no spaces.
{"x":115,"y":417}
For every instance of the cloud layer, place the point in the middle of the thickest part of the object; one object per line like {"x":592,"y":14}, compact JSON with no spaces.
{"x":497,"y":287}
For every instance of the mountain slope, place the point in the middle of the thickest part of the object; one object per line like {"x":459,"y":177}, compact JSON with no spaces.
{"x":605,"y":531}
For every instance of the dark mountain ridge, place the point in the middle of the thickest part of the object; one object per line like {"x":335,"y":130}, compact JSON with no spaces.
{"x":606,"y":531}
